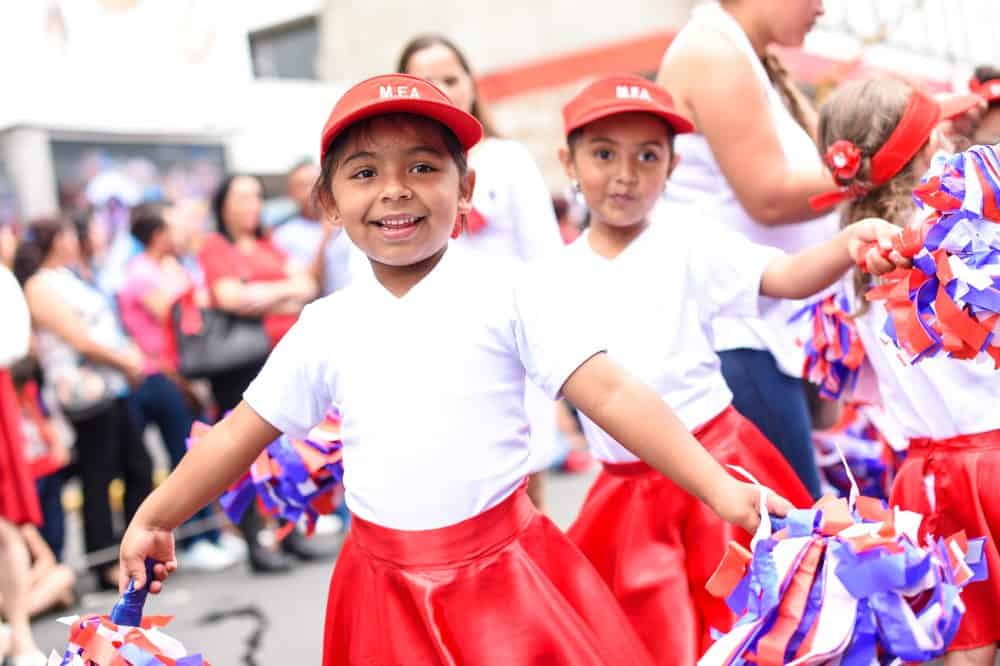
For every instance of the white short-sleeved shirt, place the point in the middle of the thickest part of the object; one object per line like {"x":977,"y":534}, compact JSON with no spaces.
{"x":16,"y":331}
{"x":511,"y":194}
{"x":659,"y":298}
{"x":938,"y":397}
{"x":300,"y":239}
{"x":431,"y":385}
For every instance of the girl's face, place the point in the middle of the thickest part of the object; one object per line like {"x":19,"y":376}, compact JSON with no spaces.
{"x":398,"y":191}
{"x":621,"y":163}
{"x":241,"y":209}
{"x":439,"y":65}
{"x":789,"y":21}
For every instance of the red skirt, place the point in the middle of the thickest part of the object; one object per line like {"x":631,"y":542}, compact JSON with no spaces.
{"x":656,"y":545}
{"x":18,"y":498}
{"x":504,"y":587}
{"x":966,"y":471}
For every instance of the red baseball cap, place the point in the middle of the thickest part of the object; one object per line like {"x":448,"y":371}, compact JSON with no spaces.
{"x":399,"y":93}
{"x":612,"y":95}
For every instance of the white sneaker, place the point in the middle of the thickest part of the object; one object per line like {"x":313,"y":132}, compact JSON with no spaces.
{"x":331,"y":524}
{"x":233,"y":545}
{"x":204,"y":555}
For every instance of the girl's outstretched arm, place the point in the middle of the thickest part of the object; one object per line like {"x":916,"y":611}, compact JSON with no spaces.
{"x":637,"y":417}
{"x":800,"y":275}
{"x":221,"y":457}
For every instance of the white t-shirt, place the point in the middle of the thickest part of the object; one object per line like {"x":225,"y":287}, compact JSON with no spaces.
{"x":659,"y":298}
{"x":511,"y":194}
{"x":431,"y":385}
{"x":300,"y":239}
{"x":938,"y":397}
{"x":16,"y":330}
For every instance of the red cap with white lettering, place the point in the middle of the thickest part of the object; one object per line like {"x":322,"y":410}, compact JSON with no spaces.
{"x":612,"y":95}
{"x":399,"y":93}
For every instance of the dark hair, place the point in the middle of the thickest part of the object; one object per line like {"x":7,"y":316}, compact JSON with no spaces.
{"x":36,"y":243}
{"x":421,"y":42}
{"x":145,"y":220}
{"x":219,"y":204}
{"x":363,"y":128}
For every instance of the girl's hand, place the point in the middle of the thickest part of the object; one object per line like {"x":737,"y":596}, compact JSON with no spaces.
{"x":739,"y":503}
{"x":870,"y":244}
{"x":139,"y":543}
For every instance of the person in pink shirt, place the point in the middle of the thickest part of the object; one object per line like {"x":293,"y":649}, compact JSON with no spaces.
{"x":154,"y":279}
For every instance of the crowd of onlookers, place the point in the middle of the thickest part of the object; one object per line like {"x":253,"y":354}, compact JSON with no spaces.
{"x":103,"y":289}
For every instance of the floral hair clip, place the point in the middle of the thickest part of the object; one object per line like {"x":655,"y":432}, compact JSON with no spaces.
{"x":844,"y":159}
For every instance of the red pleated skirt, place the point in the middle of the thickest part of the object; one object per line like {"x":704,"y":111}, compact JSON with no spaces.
{"x":966,"y":490}
{"x":504,"y":587}
{"x":656,"y":545}
{"x":18,"y":498}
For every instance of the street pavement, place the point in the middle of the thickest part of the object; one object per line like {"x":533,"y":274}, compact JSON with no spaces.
{"x":236,"y":618}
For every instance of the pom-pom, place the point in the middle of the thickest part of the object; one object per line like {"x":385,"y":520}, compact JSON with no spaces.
{"x":291,"y":479}
{"x":124,"y":638}
{"x":843,"y":582}
{"x":868,"y":452}
{"x":834,"y":352}
{"x":949,"y":301}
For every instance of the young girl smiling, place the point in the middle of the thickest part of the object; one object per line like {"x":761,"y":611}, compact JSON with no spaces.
{"x":427,"y":356}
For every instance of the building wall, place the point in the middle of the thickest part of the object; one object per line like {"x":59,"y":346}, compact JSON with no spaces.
{"x":361,"y":39}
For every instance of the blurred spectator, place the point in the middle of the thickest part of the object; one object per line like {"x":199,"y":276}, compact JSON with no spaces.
{"x":45,"y":452}
{"x":50,"y":584}
{"x":986,"y":83}
{"x":960,"y":118}
{"x":568,"y":229}
{"x":314,"y":243}
{"x":18,"y":502}
{"x":154,"y":280}
{"x":90,"y":364}
{"x":248,"y":275}
{"x":8,"y":244}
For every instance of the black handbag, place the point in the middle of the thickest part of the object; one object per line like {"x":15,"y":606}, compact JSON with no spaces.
{"x":210,"y":342}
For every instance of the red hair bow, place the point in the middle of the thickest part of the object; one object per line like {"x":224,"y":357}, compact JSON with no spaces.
{"x":844,"y":159}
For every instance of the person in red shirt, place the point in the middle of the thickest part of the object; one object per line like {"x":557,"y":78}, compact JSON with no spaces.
{"x":247,"y":274}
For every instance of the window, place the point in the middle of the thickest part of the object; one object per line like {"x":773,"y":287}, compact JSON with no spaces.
{"x":286,"y":51}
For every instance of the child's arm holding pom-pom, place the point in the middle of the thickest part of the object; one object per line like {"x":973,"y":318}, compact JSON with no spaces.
{"x":223,"y":455}
{"x":639,"y":418}
{"x":867,"y":243}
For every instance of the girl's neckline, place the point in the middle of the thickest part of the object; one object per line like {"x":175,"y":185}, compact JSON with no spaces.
{"x":417,"y":286}
{"x":586,"y":238}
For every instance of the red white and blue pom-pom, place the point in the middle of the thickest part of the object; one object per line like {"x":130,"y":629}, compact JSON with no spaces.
{"x":870,"y":455}
{"x":846,"y":582}
{"x":291,"y":479}
{"x":123,"y":638}
{"x":833,"y":350}
{"x":948,"y":303}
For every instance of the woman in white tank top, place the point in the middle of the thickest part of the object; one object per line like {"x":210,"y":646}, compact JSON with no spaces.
{"x":753,"y":164}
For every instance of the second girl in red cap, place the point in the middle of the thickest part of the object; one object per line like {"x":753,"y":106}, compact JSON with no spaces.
{"x":427,"y":355}
{"x":660,"y":277}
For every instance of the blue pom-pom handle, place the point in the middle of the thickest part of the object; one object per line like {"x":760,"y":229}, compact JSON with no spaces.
{"x":128,"y":611}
